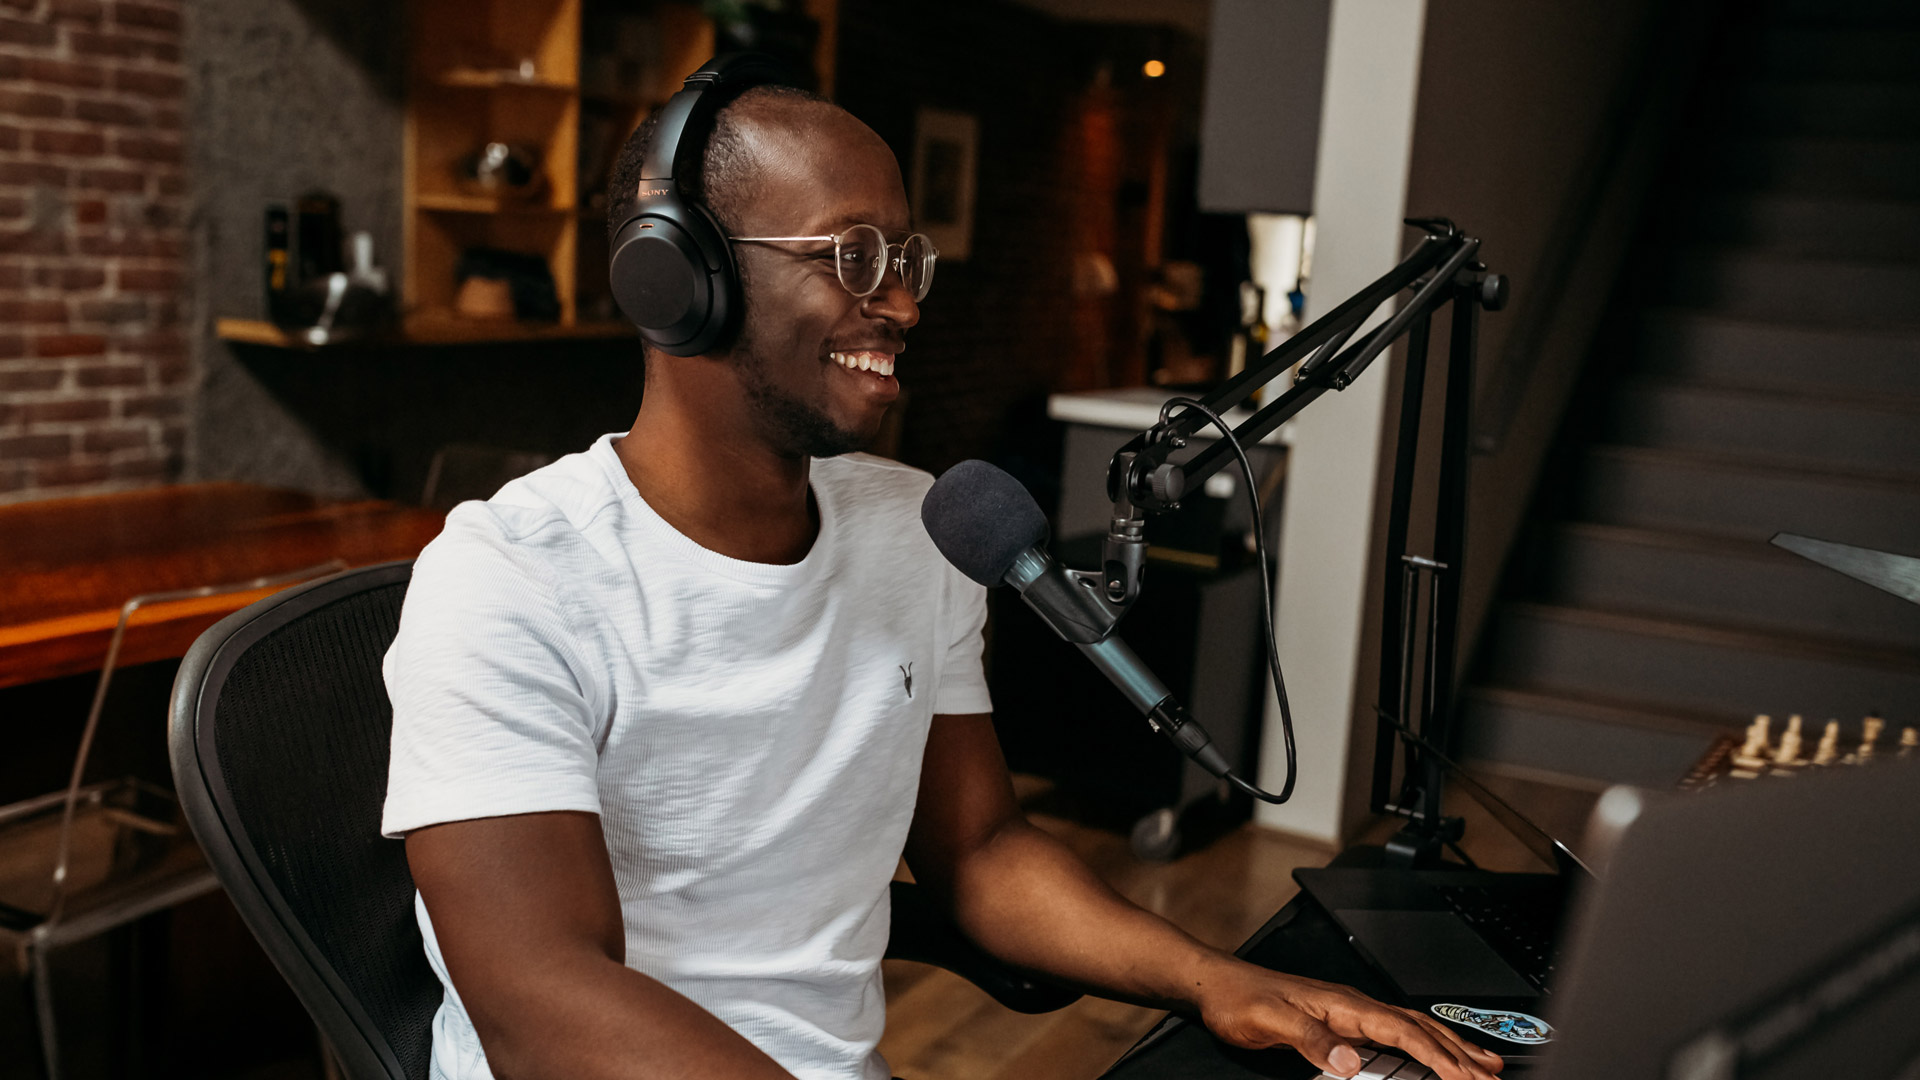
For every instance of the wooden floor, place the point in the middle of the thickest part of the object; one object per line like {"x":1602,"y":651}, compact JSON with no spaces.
{"x":940,"y":1027}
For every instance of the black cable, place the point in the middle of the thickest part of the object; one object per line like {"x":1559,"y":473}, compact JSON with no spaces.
{"x":1266,"y":601}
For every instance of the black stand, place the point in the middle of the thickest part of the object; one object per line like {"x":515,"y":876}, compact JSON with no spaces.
{"x":1142,"y":479}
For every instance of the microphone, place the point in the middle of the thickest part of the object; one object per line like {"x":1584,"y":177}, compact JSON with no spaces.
{"x":991,"y":530}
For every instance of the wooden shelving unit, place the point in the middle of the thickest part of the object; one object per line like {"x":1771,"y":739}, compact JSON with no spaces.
{"x":490,"y":71}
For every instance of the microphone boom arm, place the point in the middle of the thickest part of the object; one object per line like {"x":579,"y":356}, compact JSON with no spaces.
{"x":1142,"y":478}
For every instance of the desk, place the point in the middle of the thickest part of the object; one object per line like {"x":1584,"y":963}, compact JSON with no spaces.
{"x":1299,"y":940}
{"x":66,"y":565}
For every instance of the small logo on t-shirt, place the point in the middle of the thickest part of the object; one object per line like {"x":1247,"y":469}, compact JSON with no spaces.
{"x":906,"y":677}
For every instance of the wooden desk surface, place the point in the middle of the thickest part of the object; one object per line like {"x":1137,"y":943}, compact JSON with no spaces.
{"x":67,"y":565}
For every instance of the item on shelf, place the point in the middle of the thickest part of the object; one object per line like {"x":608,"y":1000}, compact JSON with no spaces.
{"x":278,"y":264}
{"x":312,"y":295}
{"x":528,"y":278}
{"x":484,"y":298}
{"x":331,"y":309}
{"x":363,"y":272}
{"x":318,"y":233}
{"x":503,"y":169}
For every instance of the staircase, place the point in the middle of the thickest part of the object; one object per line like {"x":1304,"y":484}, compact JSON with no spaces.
{"x":1768,"y":381}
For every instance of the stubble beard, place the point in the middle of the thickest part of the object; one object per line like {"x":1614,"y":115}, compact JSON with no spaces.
{"x":790,"y":425}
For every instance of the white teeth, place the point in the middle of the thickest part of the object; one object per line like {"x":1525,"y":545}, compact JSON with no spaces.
{"x":877,"y":362}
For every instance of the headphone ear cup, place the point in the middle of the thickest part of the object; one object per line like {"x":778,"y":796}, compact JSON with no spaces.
{"x":662,"y":276}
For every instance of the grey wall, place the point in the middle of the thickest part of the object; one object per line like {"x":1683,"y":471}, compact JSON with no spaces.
{"x":283,"y":97}
{"x":1513,"y":100}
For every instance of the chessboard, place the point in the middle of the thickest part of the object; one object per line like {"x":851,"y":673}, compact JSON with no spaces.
{"x":1758,"y":754}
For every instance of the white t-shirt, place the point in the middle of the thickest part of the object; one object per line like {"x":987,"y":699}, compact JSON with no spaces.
{"x":750,"y":735}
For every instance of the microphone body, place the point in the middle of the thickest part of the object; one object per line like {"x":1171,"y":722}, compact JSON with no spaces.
{"x":989,"y":527}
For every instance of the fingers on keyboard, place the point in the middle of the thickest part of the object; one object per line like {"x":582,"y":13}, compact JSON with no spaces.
{"x":1380,"y":1065}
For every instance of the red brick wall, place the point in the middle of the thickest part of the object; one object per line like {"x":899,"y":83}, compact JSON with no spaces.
{"x":94,"y":369}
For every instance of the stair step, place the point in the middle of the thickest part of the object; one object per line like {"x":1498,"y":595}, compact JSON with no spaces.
{"x":1831,"y":291}
{"x":1845,"y":108}
{"x":1714,"y":580}
{"x":1863,"y":168}
{"x":1695,"y":667}
{"x":1822,"y":430}
{"x":1745,"y":498}
{"x":1838,"y":52}
{"x":1820,"y":227}
{"x":1593,"y":739}
{"x":1848,"y":13}
{"x":1706,"y":347}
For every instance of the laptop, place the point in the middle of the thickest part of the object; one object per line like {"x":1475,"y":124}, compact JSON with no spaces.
{"x":1761,"y":932}
{"x":1469,"y":937}
{"x":1768,"y":931}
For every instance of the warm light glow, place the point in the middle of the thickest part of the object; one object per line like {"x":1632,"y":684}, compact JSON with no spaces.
{"x":1154,"y":69}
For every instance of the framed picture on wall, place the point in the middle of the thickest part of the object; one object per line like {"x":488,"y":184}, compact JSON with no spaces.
{"x":946,"y":150}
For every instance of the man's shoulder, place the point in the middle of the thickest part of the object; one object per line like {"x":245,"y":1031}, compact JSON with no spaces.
{"x":545,"y":517}
{"x":874,"y":482}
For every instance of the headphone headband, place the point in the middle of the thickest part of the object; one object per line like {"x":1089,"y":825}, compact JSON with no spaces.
{"x":670,"y":267}
{"x":687,"y":118}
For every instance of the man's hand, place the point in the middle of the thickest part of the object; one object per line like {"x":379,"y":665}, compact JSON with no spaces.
{"x":1022,"y":896}
{"x":1255,"y":1008}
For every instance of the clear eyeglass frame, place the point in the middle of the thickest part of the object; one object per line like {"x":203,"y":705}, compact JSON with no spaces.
{"x":862,"y":257}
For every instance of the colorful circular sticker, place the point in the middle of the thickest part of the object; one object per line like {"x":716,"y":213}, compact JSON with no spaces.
{"x":1516,"y":1027}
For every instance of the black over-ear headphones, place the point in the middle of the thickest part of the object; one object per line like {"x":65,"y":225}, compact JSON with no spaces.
{"x":671,"y":268}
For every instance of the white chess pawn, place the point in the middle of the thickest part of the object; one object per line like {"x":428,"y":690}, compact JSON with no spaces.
{"x":1789,"y":752}
{"x":1909,"y":741}
{"x":1829,"y":749}
{"x":1870,"y":729}
{"x":1753,"y":753}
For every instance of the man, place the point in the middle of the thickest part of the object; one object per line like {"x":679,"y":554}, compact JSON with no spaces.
{"x":667,"y":713}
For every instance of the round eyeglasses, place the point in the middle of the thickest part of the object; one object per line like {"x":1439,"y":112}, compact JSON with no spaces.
{"x":862,"y":257}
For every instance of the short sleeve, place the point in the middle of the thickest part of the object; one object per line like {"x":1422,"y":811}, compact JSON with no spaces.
{"x":963,"y":681}
{"x":491,"y":713}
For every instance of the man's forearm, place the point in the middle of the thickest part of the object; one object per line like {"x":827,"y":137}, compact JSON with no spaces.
{"x":590,"y":1017}
{"x":1025,"y":898}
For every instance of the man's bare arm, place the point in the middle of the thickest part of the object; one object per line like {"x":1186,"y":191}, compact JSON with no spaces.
{"x":529,"y":924}
{"x":1022,"y":896}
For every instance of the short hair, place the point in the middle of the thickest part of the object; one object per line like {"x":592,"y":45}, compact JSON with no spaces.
{"x":725,"y":169}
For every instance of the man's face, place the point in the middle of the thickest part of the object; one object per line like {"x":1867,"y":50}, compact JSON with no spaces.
{"x":803,"y":334}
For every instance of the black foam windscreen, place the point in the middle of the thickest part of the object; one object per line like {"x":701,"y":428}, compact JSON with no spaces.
{"x":981,"y":519}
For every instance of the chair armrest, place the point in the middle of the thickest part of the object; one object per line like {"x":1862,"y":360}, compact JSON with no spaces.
{"x":923,"y":933}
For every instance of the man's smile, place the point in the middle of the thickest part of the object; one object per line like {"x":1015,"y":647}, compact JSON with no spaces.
{"x":880,"y":363}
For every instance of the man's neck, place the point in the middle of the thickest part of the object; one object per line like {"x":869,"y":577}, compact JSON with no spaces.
{"x":728,"y":493}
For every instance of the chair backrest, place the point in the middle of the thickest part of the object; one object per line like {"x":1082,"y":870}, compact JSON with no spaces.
{"x":279,"y":739}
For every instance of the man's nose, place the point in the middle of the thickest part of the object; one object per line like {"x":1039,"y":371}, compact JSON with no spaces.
{"x":893,"y":301}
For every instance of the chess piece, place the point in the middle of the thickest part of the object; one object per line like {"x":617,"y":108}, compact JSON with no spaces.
{"x":1752,"y":755}
{"x":1788,"y":755}
{"x":1909,"y":741}
{"x":1870,"y":729}
{"x":1829,"y":749}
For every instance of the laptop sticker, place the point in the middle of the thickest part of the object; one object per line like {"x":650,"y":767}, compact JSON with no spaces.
{"x":1516,"y":1027}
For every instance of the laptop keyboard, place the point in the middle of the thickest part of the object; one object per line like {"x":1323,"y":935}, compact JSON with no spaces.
{"x":1380,"y":1065}
{"x":1522,"y":935}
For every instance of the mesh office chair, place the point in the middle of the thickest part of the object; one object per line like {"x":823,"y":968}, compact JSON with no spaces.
{"x":279,"y":743}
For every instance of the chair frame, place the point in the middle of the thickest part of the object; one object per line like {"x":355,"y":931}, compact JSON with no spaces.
{"x":349,"y":1033}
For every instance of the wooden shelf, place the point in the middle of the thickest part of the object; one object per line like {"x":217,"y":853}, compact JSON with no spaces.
{"x":455,"y":203}
{"x":432,"y":328}
{"x":478,"y":79}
